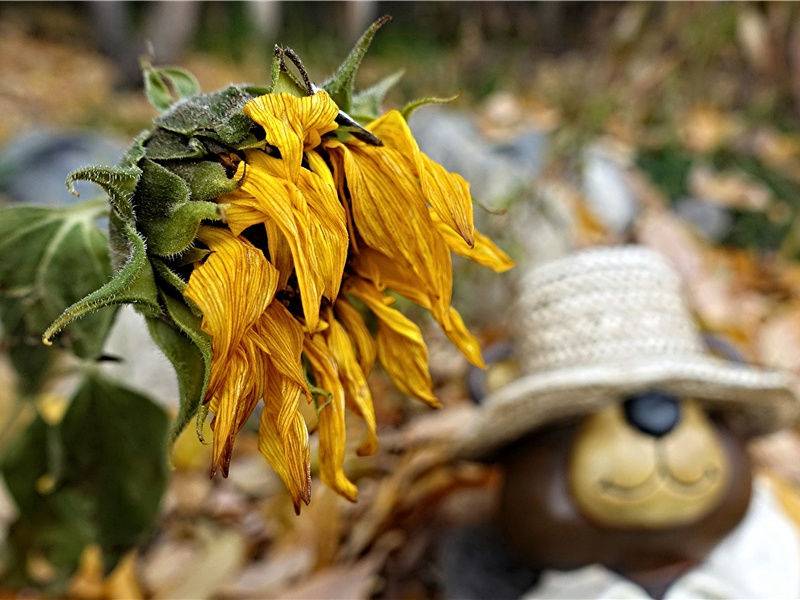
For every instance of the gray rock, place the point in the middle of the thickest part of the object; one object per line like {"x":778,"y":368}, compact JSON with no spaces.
{"x":606,"y":189}
{"x":711,"y":220}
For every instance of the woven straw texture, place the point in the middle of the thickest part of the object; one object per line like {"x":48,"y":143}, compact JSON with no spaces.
{"x":607,"y":322}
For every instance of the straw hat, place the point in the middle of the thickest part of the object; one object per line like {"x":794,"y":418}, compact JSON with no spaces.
{"x":602,"y":324}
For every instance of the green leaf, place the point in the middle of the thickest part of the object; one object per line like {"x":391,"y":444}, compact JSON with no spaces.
{"x":165,"y":214}
{"x":415,"y":104}
{"x":218,"y":115}
{"x":133,"y":283}
{"x":53,"y":257}
{"x":206,"y":179}
{"x":166,"y":85}
{"x":340,"y":86}
{"x":118,"y":182}
{"x":367,"y":103}
{"x":97,"y":477}
{"x":188,"y":348}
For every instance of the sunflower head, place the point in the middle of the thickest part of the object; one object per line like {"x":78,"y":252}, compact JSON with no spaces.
{"x":255,"y":227}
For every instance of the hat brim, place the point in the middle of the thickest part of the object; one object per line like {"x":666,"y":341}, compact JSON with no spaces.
{"x":763,"y":401}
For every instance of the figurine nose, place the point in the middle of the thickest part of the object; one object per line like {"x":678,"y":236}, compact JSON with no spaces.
{"x":654,"y":413}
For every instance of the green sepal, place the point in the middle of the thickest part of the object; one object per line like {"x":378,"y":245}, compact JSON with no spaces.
{"x":166,"y":85}
{"x":136,"y":152}
{"x":340,"y":86}
{"x":167,"y":275}
{"x":367,"y":103}
{"x":206,"y":179}
{"x":164,"y":145}
{"x":415,"y":104}
{"x":281,"y":80}
{"x":166,"y":215}
{"x":118,"y":182}
{"x":188,"y":348}
{"x":218,"y":115}
{"x":52,"y":257}
{"x":105,"y":462}
{"x":133,"y":284}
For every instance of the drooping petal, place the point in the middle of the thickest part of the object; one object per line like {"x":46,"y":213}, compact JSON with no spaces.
{"x":280,"y":336}
{"x":467,"y":344}
{"x":281,"y":202}
{"x":364,"y":344}
{"x":401,"y":348}
{"x":381,"y":271}
{"x":332,"y":435}
{"x":484,"y":252}
{"x":292,"y":124}
{"x":283,"y":436}
{"x":238,"y":394}
{"x":231,"y":288}
{"x":327,"y":224}
{"x":391,"y":216}
{"x":357,"y":394}
{"x":447,"y":193}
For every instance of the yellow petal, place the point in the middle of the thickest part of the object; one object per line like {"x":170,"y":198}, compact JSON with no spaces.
{"x":332,"y":435}
{"x":327,"y":227}
{"x":447,"y":193}
{"x":381,"y":271}
{"x":357,"y":394}
{"x":352,"y":321}
{"x":401,"y":348}
{"x":238,"y":395}
{"x":391,"y":216}
{"x":283,"y":436}
{"x":484,"y":252}
{"x":293,"y":123}
{"x":280,"y":336}
{"x":462,"y":339}
{"x":281,"y":202}
{"x":231,"y":288}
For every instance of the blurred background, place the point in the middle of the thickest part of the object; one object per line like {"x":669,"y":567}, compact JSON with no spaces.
{"x":672,"y":125}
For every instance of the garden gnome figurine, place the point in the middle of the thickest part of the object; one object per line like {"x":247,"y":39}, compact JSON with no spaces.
{"x":623,"y":446}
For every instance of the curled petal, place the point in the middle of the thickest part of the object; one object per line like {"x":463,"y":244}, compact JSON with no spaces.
{"x":484,"y":252}
{"x":281,"y":202}
{"x":391,"y":216}
{"x":238,"y":395}
{"x":352,"y":321}
{"x":401,"y":348}
{"x":332,"y":435}
{"x":357,"y":394}
{"x":383,"y":273}
{"x":293,"y":124}
{"x":283,"y":436}
{"x":231,"y":288}
{"x":447,"y":193}
{"x":280,"y":336}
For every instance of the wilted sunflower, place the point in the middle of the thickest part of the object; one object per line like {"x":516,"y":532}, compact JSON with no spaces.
{"x":310,"y":215}
{"x":341,"y":219}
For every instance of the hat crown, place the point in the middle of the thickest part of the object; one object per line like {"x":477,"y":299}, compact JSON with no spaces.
{"x":601,"y":306}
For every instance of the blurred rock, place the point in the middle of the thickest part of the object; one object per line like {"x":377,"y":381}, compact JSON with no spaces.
{"x":33,"y":167}
{"x":711,"y":220}
{"x":497,"y":171}
{"x":608,"y":194}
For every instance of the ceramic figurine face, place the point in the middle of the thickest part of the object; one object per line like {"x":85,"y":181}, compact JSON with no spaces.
{"x":647,"y":488}
{"x":622,"y":473}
